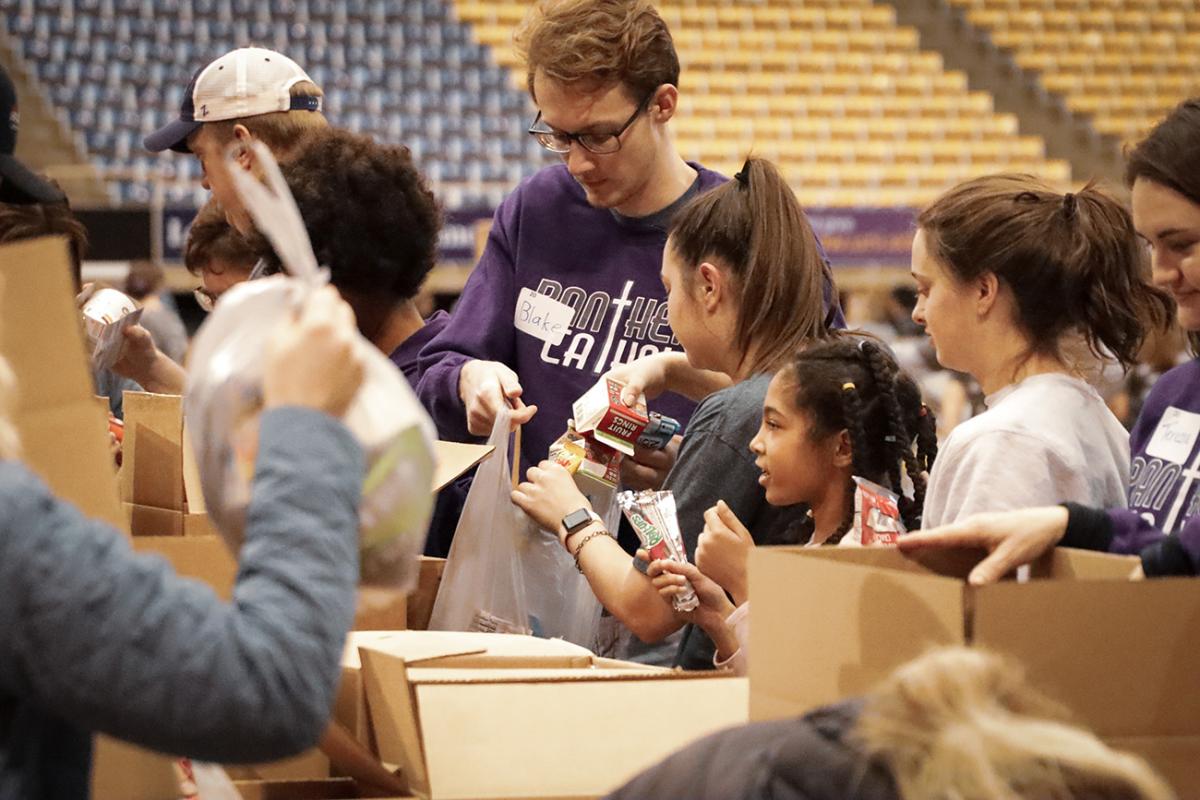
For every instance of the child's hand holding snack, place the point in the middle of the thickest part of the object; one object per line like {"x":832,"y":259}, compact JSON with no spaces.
{"x":671,"y":578}
{"x":722,"y":550}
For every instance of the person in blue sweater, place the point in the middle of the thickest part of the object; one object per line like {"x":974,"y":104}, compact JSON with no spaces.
{"x":96,"y":638}
{"x":1163,"y":172}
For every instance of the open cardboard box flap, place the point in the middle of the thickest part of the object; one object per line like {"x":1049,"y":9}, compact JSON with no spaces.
{"x":452,"y":459}
{"x":440,"y":648}
{"x":1114,"y":651}
{"x":459,"y":731}
{"x":63,"y":431}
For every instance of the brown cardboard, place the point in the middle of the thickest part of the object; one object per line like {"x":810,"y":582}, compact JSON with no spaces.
{"x":63,"y":431}
{"x":430,"y":647}
{"x":828,"y":623}
{"x":420,"y":602}
{"x":516,"y":721}
{"x":152,"y":521}
{"x":152,"y":458}
{"x":1174,"y":758}
{"x":121,"y":771}
{"x":452,"y":459}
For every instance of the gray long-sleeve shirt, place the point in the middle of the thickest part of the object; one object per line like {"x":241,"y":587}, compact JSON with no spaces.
{"x":96,"y":638}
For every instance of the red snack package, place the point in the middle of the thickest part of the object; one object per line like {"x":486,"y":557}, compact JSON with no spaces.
{"x":876,"y":516}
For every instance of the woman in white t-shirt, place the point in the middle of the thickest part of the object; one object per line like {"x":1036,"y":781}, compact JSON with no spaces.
{"x":1012,"y":278}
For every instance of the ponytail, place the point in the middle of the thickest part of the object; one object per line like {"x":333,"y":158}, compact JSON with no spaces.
{"x":754,"y":226}
{"x":1072,"y":262}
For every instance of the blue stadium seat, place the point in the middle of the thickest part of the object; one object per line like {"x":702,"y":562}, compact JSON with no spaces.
{"x":405,"y":72}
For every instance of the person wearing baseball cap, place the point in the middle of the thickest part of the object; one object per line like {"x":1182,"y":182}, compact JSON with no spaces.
{"x":247,"y":94}
{"x":18,"y":184}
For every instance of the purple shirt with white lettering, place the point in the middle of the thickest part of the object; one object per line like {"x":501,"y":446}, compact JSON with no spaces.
{"x":547,"y":238}
{"x":1164,"y":476}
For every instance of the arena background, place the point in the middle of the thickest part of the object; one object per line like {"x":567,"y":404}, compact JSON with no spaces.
{"x":871,"y":108}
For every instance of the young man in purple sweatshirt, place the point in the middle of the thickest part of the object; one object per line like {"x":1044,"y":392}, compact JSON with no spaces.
{"x":588,"y":232}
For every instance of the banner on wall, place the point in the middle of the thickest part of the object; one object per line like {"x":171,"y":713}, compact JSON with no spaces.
{"x":851,"y":236}
{"x":865,"y":236}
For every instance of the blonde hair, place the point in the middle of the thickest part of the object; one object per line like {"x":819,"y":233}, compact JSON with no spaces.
{"x":10,"y":442}
{"x":281,"y":131}
{"x":963,"y":723}
{"x":599,"y":43}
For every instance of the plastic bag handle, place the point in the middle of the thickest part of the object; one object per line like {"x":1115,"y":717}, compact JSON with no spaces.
{"x":516,"y":462}
{"x":273,"y":209}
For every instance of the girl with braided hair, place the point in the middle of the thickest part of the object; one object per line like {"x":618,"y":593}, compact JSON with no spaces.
{"x":839,"y":409}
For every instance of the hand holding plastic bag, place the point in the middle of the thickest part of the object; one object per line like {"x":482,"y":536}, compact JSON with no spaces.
{"x":224,"y":399}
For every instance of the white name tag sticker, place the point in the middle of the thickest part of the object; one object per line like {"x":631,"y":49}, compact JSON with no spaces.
{"x":543,"y":317}
{"x":1175,"y":436}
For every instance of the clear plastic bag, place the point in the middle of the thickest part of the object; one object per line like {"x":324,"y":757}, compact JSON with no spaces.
{"x":506,"y":574}
{"x":223,"y":402}
{"x":560,"y":601}
{"x":482,"y":586}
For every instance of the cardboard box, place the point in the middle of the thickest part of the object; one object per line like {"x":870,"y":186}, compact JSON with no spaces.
{"x":600,"y":414}
{"x":1119,"y":654}
{"x":421,"y":600}
{"x":205,"y":558}
{"x":64,"y":432}
{"x":485,"y":725}
{"x":449,"y":648}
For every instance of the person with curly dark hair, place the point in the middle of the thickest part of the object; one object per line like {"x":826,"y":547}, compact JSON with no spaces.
{"x":373,"y":222}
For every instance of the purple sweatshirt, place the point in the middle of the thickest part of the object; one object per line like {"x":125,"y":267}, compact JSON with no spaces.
{"x":547,"y":238}
{"x":406,"y":355}
{"x":1163,"y":497}
{"x":1165,"y":451}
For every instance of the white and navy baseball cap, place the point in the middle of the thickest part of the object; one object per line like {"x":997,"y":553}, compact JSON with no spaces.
{"x":242,"y":83}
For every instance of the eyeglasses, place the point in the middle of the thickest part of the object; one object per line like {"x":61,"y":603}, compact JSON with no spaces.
{"x":205,"y":299}
{"x":599,"y":143}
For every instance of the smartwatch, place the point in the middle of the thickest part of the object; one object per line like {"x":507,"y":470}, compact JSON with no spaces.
{"x":578,"y":520}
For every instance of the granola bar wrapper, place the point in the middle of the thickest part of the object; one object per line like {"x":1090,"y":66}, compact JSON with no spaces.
{"x":652,"y":515}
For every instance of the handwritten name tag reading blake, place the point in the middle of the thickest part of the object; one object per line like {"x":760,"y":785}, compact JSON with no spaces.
{"x":542,"y":317}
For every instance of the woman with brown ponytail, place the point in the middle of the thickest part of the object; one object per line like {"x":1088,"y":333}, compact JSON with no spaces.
{"x":1025,"y":288}
{"x":746,"y":288}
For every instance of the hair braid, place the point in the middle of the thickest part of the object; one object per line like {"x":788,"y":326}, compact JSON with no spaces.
{"x":897,"y":441}
{"x":852,"y":409}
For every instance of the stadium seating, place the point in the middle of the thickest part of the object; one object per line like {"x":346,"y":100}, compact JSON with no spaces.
{"x":1124,"y":63}
{"x":838,"y":93}
{"x":835,"y":91}
{"x":404,"y":72}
